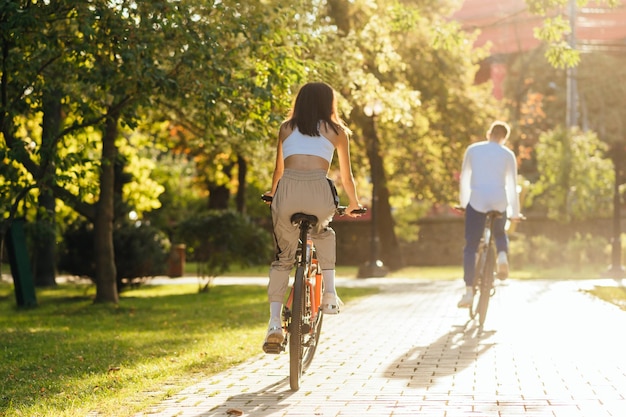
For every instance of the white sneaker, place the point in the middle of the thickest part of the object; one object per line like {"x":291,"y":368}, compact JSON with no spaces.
{"x":331,"y":303}
{"x":275,"y":334}
{"x":503,"y":266}
{"x":466,"y":300}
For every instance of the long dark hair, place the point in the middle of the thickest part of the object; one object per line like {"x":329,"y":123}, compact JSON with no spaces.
{"x":315,"y":102}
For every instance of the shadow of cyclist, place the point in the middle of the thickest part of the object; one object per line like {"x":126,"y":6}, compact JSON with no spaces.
{"x":453,"y":352}
{"x":266,"y":401}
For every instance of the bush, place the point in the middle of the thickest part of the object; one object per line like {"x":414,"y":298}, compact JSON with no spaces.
{"x":77,"y":254}
{"x":543,"y":252}
{"x":546,"y":252}
{"x":519,"y":250}
{"x":218,"y":239}
{"x":140,"y":251}
{"x":586,"y":250}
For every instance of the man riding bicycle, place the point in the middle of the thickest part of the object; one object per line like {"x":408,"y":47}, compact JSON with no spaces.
{"x":488,"y":182}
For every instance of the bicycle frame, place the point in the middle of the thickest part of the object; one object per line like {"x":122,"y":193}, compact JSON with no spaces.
{"x":313,"y":279}
{"x":485,"y":270}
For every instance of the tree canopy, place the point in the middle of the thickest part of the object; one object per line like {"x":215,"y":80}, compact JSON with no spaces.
{"x":132,"y":84}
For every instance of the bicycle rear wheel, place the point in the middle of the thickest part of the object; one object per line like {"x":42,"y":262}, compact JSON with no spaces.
{"x":486,"y":284}
{"x":295,"y":331}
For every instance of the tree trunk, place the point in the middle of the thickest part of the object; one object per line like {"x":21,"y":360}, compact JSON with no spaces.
{"x":219,"y":195}
{"x":106,"y":287}
{"x":45,"y":243}
{"x":390,"y":252}
{"x":242,"y":170}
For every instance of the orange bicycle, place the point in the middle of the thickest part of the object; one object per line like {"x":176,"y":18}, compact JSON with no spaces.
{"x":302,"y":313}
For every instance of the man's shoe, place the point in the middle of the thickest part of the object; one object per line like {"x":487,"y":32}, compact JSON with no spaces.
{"x":503,"y":270}
{"x":330,"y":303}
{"x":466,"y":300}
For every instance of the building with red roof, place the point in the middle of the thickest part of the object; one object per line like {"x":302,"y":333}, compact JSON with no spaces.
{"x":509,"y":27}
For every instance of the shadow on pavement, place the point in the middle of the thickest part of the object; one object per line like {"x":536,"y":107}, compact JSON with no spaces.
{"x":448,"y":355}
{"x":263,"y":402}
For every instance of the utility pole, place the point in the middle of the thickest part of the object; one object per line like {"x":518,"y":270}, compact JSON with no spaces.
{"x":571,"y":117}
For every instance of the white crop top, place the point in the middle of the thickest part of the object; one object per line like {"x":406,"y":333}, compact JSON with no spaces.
{"x":299,"y":144}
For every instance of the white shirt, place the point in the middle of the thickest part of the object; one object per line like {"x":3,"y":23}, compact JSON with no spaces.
{"x":298,"y":144}
{"x":489,"y":179}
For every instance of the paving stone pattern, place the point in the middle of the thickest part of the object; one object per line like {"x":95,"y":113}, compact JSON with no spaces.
{"x":547,"y":349}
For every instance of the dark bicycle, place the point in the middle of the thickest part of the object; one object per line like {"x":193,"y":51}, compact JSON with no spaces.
{"x":485,"y":270}
{"x":302,"y":313}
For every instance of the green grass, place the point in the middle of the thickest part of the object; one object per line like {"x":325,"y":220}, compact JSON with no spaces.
{"x":613,"y":295}
{"x":67,"y":356}
{"x":442,"y":272}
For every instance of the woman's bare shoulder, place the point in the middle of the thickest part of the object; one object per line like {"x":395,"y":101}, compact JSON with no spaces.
{"x":285,"y":130}
{"x":334,"y":136}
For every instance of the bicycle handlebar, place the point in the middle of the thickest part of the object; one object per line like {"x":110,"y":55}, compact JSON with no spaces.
{"x":341,"y":210}
{"x":520,"y":218}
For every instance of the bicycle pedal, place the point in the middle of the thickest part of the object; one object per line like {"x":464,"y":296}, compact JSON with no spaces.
{"x":272,"y":348}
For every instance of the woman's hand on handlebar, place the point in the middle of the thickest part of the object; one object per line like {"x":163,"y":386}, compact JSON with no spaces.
{"x":267,"y":197}
{"x":354,"y":210}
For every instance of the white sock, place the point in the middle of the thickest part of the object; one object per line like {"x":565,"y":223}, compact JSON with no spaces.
{"x":276,"y":310}
{"x":469,"y":290}
{"x":329,"y":280}
{"x":502,"y":257}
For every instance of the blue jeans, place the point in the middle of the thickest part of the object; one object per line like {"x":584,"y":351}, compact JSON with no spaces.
{"x":474,"y":227}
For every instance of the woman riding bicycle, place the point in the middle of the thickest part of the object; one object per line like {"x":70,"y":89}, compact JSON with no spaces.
{"x":306,"y":144}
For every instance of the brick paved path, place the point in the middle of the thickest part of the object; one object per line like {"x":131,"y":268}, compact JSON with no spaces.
{"x":547,"y":349}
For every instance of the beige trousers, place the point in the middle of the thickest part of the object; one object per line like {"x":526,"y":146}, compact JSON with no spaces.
{"x":300,"y":192}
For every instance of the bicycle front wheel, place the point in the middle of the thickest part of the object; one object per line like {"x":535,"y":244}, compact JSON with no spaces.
{"x":311,"y":343}
{"x":295,"y":330}
{"x":478,"y":272}
{"x":486,"y":284}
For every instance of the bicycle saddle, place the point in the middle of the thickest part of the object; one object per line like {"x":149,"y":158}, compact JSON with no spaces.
{"x":494,"y":213}
{"x":300,"y":217}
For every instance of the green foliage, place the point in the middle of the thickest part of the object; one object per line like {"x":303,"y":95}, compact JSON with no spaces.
{"x":211,"y":81}
{"x":218,"y":239}
{"x":602,"y":87}
{"x":140,"y":251}
{"x":539,"y":251}
{"x":419,"y":66}
{"x":406,"y":220}
{"x":561,"y":52}
{"x":575,"y":178}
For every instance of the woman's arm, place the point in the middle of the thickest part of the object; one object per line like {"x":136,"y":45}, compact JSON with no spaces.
{"x":465,"y":181}
{"x":345,"y":169}
{"x":279,"y":166}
